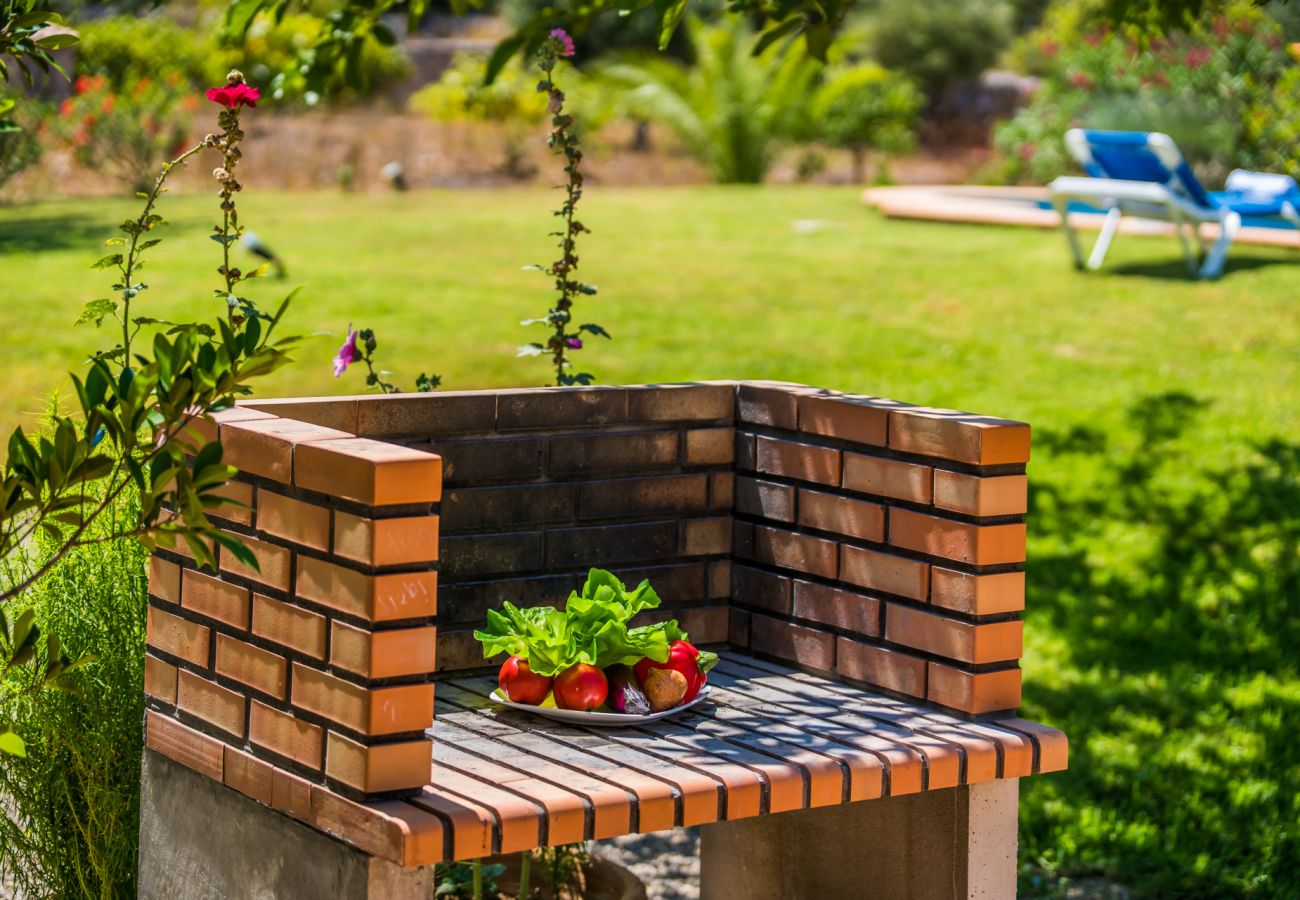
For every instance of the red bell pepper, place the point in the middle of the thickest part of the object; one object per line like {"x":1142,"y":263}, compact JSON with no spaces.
{"x":683,"y":657}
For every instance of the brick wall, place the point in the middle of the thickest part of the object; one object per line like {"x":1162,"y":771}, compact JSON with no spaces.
{"x":318,"y":667}
{"x":881,"y":542}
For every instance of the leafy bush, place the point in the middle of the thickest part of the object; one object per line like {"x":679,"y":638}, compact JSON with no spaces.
{"x":460,"y":94}
{"x":71,"y":821}
{"x":731,"y":110}
{"x":939,"y":42}
{"x":1222,"y":89}
{"x":866,"y":107}
{"x":125,"y":50}
{"x":19,"y":147}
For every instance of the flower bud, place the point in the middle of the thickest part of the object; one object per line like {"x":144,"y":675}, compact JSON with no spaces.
{"x":234,"y":76}
{"x":220,"y":174}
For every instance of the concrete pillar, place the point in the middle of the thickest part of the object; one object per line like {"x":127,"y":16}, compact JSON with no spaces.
{"x":203,"y":841}
{"x":956,"y":844}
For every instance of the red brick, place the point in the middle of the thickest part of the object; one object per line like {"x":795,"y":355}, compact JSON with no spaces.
{"x":374,"y":711}
{"x":386,"y":542}
{"x":252,"y":666}
{"x":706,"y":537}
{"x":266,"y":446}
{"x":710,"y":446}
{"x":249,"y":775}
{"x":285,"y":735}
{"x":274,"y":563}
{"x":204,"y":428}
{"x":177,"y":636}
{"x":888,"y":669}
{"x":396,"y":831}
{"x":706,"y":624}
{"x":765,"y":499}
{"x":746,"y":451}
{"x":327,"y":412}
{"x":981,"y":495}
{"x":210,"y":702}
{"x":962,"y":641}
{"x":884,"y":572}
{"x":844,"y":417}
{"x":887,"y":478}
{"x":444,"y":412}
{"x":621,"y":497}
{"x":791,"y":459}
{"x":376,"y":598}
{"x":289,"y":625}
{"x":789,"y":550}
{"x":980,"y":545}
{"x":974,"y":693}
{"x":837,"y":607}
{"x":369,"y":472}
{"x":240,"y":507}
{"x":291,"y":794}
{"x":164,"y":580}
{"x":293,"y":520}
{"x":613,"y":452}
{"x":977,"y":595}
{"x":759,"y":403}
{"x":159,"y":679}
{"x":796,"y":643}
{"x":754,"y":587}
{"x":380,"y":768}
{"x":561,"y":406}
{"x":681,"y":402}
{"x":215,"y":598}
{"x":958,"y":436}
{"x":182,"y":744}
{"x":722,"y":490}
{"x":842,"y":515}
{"x":738,"y":627}
{"x":460,"y":650}
{"x":719,"y":580}
{"x":383,"y":654}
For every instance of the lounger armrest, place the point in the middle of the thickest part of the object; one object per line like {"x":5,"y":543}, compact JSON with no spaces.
{"x":1268,"y":184}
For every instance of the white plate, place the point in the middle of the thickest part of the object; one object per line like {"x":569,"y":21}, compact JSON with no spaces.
{"x":606,"y":719}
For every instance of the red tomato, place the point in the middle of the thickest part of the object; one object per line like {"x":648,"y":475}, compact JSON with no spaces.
{"x":581,"y":687}
{"x":684,"y":658}
{"x":518,"y":682}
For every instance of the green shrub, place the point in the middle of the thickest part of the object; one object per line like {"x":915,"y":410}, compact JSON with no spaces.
{"x":1223,"y":90}
{"x":461,"y":95}
{"x":126,"y":50}
{"x":70,"y":826}
{"x":19,"y":147}
{"x":939,"y":42}
{"x":866,"y":107}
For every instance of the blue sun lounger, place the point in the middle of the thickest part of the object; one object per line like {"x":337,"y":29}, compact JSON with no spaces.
{"x":1142,"y":174}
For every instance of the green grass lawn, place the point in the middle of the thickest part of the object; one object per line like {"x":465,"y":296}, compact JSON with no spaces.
{"x":1164,"y":566}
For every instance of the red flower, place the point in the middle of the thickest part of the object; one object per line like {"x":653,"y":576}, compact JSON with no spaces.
{"x":233,"y":96}
{"x":1199,"y":56}
{"x":65,"y":108}
{"x":81,"y":85}
{"x":1081,"y":81}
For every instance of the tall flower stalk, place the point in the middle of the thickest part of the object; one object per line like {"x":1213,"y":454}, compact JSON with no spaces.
{"x":235,"y":95}
{"x":564,"y":142}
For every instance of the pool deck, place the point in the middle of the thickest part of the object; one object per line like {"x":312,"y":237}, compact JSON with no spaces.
{"x":1011,"y":206}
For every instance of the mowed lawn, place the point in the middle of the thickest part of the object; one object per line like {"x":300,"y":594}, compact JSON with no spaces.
{"x":1164,"y":566}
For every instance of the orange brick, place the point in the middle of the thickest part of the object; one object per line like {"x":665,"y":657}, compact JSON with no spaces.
{"x":887,"y":478}
{"x":791,"y":459}
{"x":285,"y":735}
{"x":291,"y":794}
{"x":710,"y":446}
{"x":722,"y":490}
{"x":884,"y":572}
{"x":252,"y":666}
{"x":975,"y":495}
{"x":249,"y":775}
{"x":386,"y":542}
{"x":980,"y":545}
{"x":789,"y":550}
{"x":796,"y":643}
{"x":377,"y":598}
{"x":706,"y":537}
{"x":293,"y":520}
{"x":842,"y":515}
{"x":391,"y":830}
{"x":846,"y":610}
{"x":1053,"y":748}
{"x":370,"y":472}
{"x":720,"y":579}
{"x":266,"y":446}
{"x":383,"y":654}
{"x":380,"y":768}
{"x":974,"y":693}
{"x":164,"y":580}
{"x":215,"y":598}
{"x":274,"y":563}
{"x":768,"y":403}
{"x":192,"y":749}
{"x":204,"y":428}
{"x":328,"y":412}
{"x":962,"y":641}
{"x":377,"y":711}
{"x":289,"y":625}
{"x":847,"y":418}
{"x":159,"y":679}
{"x":958,"y":436}
{"x":177,"y":636}
{"x":210,"y":702}
{"x":240,"y":510}
{"x":888,"y":669}
{"x":977,"y":595}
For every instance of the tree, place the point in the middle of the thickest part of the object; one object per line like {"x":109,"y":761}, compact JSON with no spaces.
{"x":865,"y":107}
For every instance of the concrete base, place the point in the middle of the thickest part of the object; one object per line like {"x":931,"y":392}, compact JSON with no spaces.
{"x":949,"y":844}
{"x":203,"y":841}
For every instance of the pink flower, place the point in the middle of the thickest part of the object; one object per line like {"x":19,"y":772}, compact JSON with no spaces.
{"x":1081,"y":81}
{"x":347,"y":354}
{"x":573,"y":343}
{"x":233,"y":96}
{"x":566,"y":42}
{"x":1199,"y":56}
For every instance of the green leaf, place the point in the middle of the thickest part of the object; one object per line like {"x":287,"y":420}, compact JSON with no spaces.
{"x":669,"y":19}
{"x":96,"y":310}
{"x":384,"y":35}
{"x":104,"y":262}
{"x":790,"y":26}
{"x":57,"y":41}
{"x":501,"y":55}
{"x":11,"y":743}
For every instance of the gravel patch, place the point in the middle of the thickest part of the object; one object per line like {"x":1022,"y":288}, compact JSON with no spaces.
{"x":667,"y":861}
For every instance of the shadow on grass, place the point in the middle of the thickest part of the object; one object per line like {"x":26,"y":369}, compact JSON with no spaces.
{"x":1172,"y":594}
{"x":57,"y":230}
{"x":1176,"y":269}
